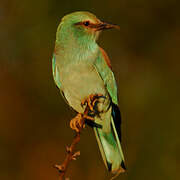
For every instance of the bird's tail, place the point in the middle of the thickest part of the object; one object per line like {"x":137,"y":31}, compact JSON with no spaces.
{"x":109,"y":142}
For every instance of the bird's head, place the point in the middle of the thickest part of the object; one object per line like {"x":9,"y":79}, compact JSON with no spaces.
{"x":82,"y":25}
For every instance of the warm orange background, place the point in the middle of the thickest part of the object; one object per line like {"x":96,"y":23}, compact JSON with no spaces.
{"x":34,"y":119}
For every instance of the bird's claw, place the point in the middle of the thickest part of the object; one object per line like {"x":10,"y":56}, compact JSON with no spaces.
{"x":77,"y":123}
{"x":91,"y":100}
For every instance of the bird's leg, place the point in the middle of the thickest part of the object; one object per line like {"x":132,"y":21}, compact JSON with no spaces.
{"x":91,"y":100}
{"x":78,"y":122}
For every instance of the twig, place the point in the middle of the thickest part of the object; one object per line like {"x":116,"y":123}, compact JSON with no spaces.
{"x":71,"y":154}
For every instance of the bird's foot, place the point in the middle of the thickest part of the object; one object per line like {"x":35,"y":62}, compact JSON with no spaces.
{"x":77,"y":122}
{"x":91,"y":101}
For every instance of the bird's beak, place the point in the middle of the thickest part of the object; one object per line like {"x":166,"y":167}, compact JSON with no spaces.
{"x":104,"y":25}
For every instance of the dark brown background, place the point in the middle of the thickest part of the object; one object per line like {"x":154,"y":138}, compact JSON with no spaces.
{"x":34,"y":119}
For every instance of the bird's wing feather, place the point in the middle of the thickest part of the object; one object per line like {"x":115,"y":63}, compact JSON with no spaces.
{"x":56,"y":76}
{"x":55,"y":71}
{"x":112,"y":154}
{"x":103,"y":67}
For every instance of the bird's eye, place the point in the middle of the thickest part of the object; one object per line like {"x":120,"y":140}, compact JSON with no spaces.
{"x":86,"y":23}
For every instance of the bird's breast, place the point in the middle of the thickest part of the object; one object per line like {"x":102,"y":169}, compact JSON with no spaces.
{"x":79,"y":80}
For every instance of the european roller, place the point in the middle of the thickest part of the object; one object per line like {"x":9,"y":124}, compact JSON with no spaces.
{"x":82,"y":71}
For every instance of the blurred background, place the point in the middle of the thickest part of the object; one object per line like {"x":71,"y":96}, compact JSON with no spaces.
{"x":34,"y":119}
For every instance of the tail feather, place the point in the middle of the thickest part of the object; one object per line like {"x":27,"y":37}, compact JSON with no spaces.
{"x":109,"y":143}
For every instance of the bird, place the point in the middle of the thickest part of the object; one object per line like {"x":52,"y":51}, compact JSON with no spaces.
{"x":82,"y":70}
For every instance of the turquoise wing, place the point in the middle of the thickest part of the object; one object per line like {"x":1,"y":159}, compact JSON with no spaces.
{"x":56,"y":76}
{"x":55,"y":71}
{"x":112,"y":154}
{"x":103,"y":67}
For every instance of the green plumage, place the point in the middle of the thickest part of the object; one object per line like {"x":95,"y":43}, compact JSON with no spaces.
{"x":79,"y":70}
{"x":107,"y":76}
